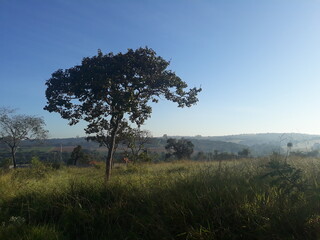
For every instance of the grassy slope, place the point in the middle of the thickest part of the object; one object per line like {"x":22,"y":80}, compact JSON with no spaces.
{"x":183,"y":200}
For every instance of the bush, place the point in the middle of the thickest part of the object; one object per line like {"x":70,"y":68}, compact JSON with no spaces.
{"x":283,"y":176}
{"x":5,"y":163}
{"x":144,"y":157}
{"x":56,"y":165}
{"x":36,"y":170}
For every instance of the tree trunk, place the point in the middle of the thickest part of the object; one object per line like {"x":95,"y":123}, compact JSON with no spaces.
{"x":13,"y":156}
{"x":115,"y":125}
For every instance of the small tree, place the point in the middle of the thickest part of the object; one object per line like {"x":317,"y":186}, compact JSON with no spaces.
{"x":201,"y":156}
{"x":105,"y":90}
{"x":135,"y":139}
{"x":16,"y":128}
{"x":215,"y":152}
{"x":77,"y":155}
{"x":244,"y":152}
{"x":181,"y":148}
{"x":289,"y":147}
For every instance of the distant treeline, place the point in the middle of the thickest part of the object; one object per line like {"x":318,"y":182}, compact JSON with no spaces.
{"x":205,"y":148}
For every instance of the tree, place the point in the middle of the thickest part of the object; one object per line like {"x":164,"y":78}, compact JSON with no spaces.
{"x":244,"y":152}
{"x":109,"y":90}
{"x":216,"y":152}
{"x":289,"y":146}
{"x":201,"y":156}
{"x":77,"y":155}
{"x":16,"y":128}
{"x":181,"y":148}
{"x":135,"y":139}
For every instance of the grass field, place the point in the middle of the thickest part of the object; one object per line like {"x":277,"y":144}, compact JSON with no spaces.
{"x":243,"y":199}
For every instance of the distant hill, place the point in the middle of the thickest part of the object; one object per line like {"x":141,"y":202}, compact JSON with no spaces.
{"x":203,"y":145}
{"x":270,"y":138}
{"x":259,"y":144}
{"x":265,"y":143}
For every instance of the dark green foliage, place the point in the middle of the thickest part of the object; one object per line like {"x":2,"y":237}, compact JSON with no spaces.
{"x":35,"y":170}
{"x":79,"y":156}
{"x":76,"y":155}
{"x":218,"y":156}
{"x":135,"y":140}
{"x":244,"y":153}
{"x":283,"y":176}
{"x":181,"y":148}
{"x":109,"y":90}
{"x":144,"y":157}
{"x":201,"y":156}
{"x":5,"y":163}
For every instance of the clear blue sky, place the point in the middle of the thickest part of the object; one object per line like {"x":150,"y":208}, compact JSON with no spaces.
{"x":258,"y":62}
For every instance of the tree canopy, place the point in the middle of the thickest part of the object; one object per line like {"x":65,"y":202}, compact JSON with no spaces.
{"x":15,"y":128}
{"x":244,"y":152}
{"x":110,"y":90}
{"x":181,"y":148}
{"x":79,"y":156}
{"x":135,"y":139}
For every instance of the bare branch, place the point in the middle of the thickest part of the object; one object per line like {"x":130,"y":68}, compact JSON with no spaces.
{"x":16,"y":128}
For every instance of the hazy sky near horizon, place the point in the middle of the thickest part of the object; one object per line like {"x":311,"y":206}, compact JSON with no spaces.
{"x":256,"y":61}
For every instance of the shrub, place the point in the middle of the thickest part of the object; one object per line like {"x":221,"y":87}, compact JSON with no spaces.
{"x":284,"y":176}
{"x":5,"y":163}
{"x":36,"y":170}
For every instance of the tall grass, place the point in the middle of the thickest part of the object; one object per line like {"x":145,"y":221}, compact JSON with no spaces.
{"x":181,"y":200}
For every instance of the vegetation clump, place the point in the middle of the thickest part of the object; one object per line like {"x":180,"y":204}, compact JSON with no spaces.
{"x":248,"y":199}
{"x":14,"y":128}
{"x":110,"y":90}
{"x":179,"y":148}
